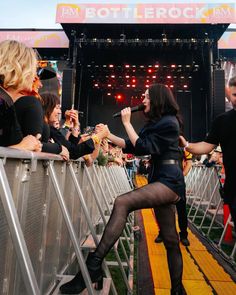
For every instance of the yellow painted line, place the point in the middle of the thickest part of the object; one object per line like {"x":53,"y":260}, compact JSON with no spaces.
{"x":224,"y":288}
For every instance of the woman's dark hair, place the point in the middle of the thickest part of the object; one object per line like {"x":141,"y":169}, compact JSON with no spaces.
{"x":49,"y":102}
{"x":162,"y":102}
{"x":232,"y":82}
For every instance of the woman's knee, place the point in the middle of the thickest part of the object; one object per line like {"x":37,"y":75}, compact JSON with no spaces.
{"x":120,"y":203}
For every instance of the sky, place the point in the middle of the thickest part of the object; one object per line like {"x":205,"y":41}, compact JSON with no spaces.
{"x":29,"y":14}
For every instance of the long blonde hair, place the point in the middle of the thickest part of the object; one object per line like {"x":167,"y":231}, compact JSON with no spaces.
{"x":18,"y":64}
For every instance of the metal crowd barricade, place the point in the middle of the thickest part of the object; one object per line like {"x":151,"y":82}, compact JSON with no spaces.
{"x":206,"y":206}
{"x":49,"y":207}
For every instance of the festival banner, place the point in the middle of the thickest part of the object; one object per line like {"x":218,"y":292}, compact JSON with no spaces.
{"x":37,"y":39}
{"x":147,"y":13}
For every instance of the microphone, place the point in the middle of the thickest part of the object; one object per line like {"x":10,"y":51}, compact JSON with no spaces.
{"x":140,"y":107}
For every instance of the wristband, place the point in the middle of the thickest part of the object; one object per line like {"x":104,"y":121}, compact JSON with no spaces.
{"x":96,"y":139}
{"x":66,"y":127}
{"x":86,"y":157}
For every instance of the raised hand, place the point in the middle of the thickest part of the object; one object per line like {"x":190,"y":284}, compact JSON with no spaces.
{"x":126,"y":115}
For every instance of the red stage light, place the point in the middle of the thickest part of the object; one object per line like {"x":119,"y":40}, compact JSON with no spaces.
{"x":127,"y":76}
{"x":119,"y":97}
{"x":154,"y":77}
{"x":128,"y":85}
{"x":171,"y":86}
{"x":168,"y":77}
{"x":156,"y":66}
{"x":149,"y":70}
{"x":146,"y":85}
{"x":133,"y":85}
{"x":108,"y":85}
{"x":127,"y":66}
{"x":112,"y":76}
{"x":133,"y":80}
{"x":173,"y":66}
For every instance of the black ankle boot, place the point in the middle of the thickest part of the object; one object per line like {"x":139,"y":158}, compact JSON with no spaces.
{"x":77,"y":284}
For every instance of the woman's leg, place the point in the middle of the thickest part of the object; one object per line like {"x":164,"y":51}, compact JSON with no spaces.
{"x":166,"y":220}
{"x":149,"y":196}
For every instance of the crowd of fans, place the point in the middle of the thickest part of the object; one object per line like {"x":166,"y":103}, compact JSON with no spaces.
{"x":30,"y":119}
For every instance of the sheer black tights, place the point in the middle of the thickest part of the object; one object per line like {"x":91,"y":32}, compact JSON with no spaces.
{"x":149,"y":196}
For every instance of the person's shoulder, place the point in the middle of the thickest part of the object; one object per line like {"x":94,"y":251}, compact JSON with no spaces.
{"x":226,"y":114}
{"x":28,"y":101}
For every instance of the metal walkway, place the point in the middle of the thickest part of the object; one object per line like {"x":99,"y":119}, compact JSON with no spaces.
{"x":202,"y":273}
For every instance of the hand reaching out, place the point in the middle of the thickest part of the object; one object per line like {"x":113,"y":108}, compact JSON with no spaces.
{"x":102,"y":131}
{"x":182,"y":141}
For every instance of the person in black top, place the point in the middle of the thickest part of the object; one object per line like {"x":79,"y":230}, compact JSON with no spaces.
{"x":17,"y":71}
{"x":18,"y":67}
{"x":158,"y":138}
{"x":223,"y":132}
{"x":77,"y":149}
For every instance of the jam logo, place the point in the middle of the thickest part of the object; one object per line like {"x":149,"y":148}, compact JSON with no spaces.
{"x":72,"y":12}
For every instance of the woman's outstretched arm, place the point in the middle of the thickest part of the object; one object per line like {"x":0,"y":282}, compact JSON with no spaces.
{"x":116,"y":140}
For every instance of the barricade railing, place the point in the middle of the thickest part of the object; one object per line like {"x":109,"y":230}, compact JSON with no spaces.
{"x":205,"y":207}
{"x":48,"y":208}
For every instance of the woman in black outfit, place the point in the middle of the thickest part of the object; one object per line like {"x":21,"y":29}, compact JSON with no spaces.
{"x":52,"y":109}
{"x":18,"y":65}
{"x":158,"y":138}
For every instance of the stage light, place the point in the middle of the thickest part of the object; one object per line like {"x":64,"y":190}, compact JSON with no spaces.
{"x":127,"y":76}
{"x":171,"y":86}
{"x":149,"y":70}
{"x":111,"y":66}
{"x":108,"y":85}
{"x":96,"y":85}
{"x":133,"y":80}
{"x":147,"y":86}
{"x":128,"y":85}
{"x":133,"y":85}
{"x":156,"y":66}
{"x":185,"y":86}
{"x":109,"y":93}
{"x":127,"y":66}
{"x":119,"y":97}
{"x":173,"y":66}
{"x":112,"y":76}
{"x":154,"y":77}
{"x":168,"y":77}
